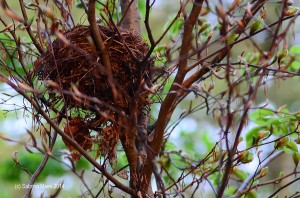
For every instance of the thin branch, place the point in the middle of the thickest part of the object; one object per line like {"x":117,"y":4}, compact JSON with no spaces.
{"x":171,"y":97}
{"x":104,"y":53}
{"x":204,"y":70}
{"x":28,"y":28}
{"x":67,"y":138}
{"x":244,"y":185}
{"x":284,"y":186}
{"x":41,"y":167}
{"x":149,"y":32}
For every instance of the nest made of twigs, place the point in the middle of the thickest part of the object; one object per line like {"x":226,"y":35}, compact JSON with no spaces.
{"x":78,"y":62}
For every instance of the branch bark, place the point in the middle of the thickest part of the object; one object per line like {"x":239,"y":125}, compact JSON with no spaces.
{"x":166,"y":105}
{"x":131,"y":17}
{"x":132,"y":140}
{"x":103,"y":52}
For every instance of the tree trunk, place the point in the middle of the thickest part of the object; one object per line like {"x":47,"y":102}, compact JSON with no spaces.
{"x":134,"y":141}
{"x":131,"y":17}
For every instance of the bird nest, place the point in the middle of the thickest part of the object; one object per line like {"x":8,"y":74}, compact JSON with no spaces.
{"x":73,"y":68}
{"x":74,"y":62}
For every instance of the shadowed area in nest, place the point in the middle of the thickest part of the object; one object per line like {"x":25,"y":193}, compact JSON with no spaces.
{"x":77,"y":63}
{"x":74,"y":60}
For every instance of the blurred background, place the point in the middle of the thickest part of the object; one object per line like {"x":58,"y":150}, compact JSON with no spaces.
{"x":195,"y":134}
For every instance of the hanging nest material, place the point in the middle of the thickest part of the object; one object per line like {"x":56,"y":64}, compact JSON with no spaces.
{"x":78,"y":64}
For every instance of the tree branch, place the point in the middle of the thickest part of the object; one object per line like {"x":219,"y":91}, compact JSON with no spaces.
{"x":244,"y":185}
{"x":103,"y":52}
{"x":38,"y":108}
{"x":164,"y":115}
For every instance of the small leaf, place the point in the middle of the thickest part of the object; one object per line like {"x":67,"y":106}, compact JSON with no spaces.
{"x":251,"y":136}
{"x":296,"y":158}
{"x":204,"y":11}
{"x":230,"y":190}
{"x":262,"y":135}
{"x":291,"y":10}
{"x":176,"y":27}
{"x":284,"y":53}
{"x":282,"y":142}
{"x":257,"y":25}
{"x":203,"y":27}
{"x":297,"y":140}
{"x":292,"y":145}
{"x":263,"y":172}
{"x":245,"y":157}
{"x":240,"y":173}
{"x":232,"y":38}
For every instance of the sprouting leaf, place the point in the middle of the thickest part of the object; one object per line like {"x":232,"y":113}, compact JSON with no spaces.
{"x":281,"y":174}
{"x":251,"y":136}
{"x":296,"y":158}
{"x":176,"y":27}
{"x":232,"y":38}
{"x":204,"y":27}
{"x":291,"y":10}
{"x":283,"y":53}
{"x":204,"y":11}
{"x":292,"y":145}
{"x":256,"y":25}
{"x":30,"y":20}
{"x":240,"y":173}
{"x":262,"y":135}
{"x":230,"y":190}
{"x":245,"y":157}
{"x":263,"y":172}
{"x":282,"y":142}
{"x":297,"y":140}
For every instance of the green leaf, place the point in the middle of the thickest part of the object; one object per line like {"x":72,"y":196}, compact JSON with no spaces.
{"x":281,"y":174}
{"x":296,"y":158}
{"x":170,"y":146}
{"x":142,"y":7}
{"x":245,"y":157}
{"x":256,"y":25}
{"x":176,"y":27}
{"x":242,"y":175}
{"x":292,"y":145}
{"x":232,"y":38}
{"x":251,"y":194}
{"x":295,"y":50}
{"x":261,"y":113}
{"x":263,"y":172}
{"x":230,"y":190}
{"x":251,"y":136}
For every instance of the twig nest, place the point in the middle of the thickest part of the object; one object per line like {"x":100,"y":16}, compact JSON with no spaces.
{"x":77,"y":62}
